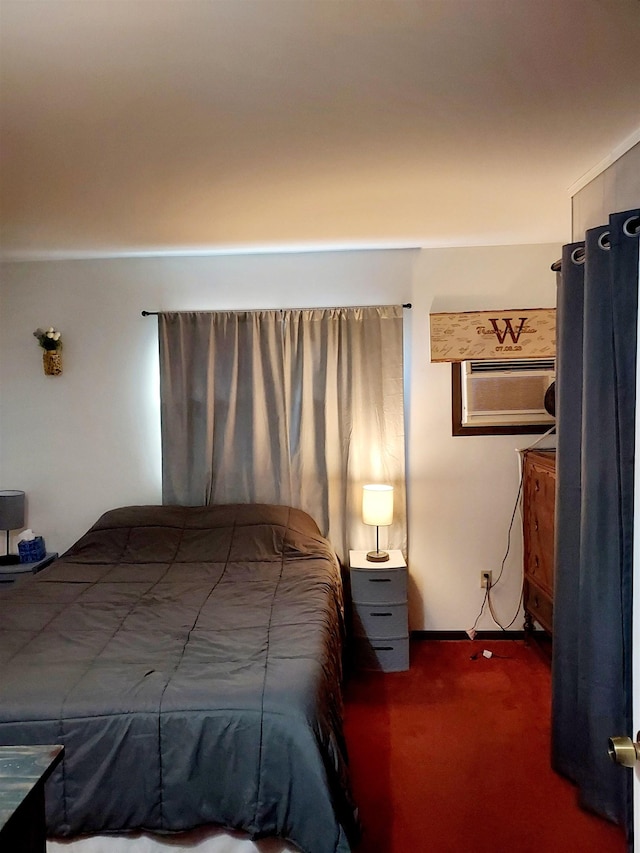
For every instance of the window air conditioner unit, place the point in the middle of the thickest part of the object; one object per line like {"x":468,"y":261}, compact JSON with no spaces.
{"x":506,"y":392}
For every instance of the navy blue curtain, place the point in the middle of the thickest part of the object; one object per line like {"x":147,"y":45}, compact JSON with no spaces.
{"x":597,"y":313}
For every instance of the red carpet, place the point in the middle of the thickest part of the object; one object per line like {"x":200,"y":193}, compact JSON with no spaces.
{"x":453,"y":757}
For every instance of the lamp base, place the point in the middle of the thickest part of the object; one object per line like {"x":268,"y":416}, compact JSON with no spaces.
{"x":9,"y":560}
{"x":378,"y":556}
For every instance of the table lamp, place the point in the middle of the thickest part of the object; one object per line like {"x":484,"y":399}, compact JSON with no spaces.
{"x":11,"y":518}
{"x":377,"y":510}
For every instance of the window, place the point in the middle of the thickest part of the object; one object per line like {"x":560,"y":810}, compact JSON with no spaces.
{"x":505,"y":397}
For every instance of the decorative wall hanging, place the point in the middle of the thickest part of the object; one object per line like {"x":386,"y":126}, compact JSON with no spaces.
{"x":51,"y":343}
{"x":516,"y":333}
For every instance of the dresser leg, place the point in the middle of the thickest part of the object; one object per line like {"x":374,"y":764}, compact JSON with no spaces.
{"x":528,"y":626}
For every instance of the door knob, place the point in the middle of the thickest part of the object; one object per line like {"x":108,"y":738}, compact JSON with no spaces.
{"x":624,"y":751}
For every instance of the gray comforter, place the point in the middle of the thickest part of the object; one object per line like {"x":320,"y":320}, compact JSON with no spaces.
{"x":189,"y":660}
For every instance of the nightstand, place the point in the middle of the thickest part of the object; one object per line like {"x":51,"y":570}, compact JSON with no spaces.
{"x":380,"y":612}
{"x":18,"y":571}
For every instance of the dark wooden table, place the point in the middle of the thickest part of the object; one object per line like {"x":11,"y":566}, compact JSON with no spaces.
{"x":23,"y":772}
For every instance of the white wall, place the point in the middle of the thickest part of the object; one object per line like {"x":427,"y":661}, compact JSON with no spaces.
{"x":88,"y":440}
{"x":615,"y":189}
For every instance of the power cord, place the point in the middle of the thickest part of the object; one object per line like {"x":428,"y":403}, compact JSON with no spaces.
{"x":502,"y":565}
{"x":487,"y":596}
{"x":488,"y":654}
{"x":472,"y":631}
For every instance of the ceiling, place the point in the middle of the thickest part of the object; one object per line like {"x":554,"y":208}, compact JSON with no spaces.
{"x":201,"y":125}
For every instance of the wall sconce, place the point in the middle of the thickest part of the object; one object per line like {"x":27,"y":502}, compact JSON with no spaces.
{"x":51,"y":342}
{"x":377,"y":510}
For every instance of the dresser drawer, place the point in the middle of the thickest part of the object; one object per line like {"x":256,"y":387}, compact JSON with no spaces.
{"x":379,"y":586}
{"x":539,"y":566}
{"x":539,"y":605}
{"x":539,"y":532}
{"x":541,"y":485}
{"x":390,"y":655}
{"x":385,"y":620}
{"x":538,"y":511}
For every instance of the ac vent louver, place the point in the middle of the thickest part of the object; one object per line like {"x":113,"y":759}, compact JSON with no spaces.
{"x":506,"y":392}
{"x":521,"y":365}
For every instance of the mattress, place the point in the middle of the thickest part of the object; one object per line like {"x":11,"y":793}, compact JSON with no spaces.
{"x":189,"y":659}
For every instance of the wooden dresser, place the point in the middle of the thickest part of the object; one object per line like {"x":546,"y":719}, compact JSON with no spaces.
{"x":538,"y":509}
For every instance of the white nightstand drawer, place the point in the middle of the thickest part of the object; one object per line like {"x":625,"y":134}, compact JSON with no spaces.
{"x":380,"y":621}
{"x":379,"y":586}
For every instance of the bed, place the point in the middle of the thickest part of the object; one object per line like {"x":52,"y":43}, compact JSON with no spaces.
{"x":189,"y":659}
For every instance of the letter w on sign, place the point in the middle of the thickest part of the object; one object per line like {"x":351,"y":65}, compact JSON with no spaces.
{"x":508,"y":329}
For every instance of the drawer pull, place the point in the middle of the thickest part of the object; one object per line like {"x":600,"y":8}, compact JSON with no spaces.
{"x":381,"y":614}
{"x":383,"y":648}
{"x":379,"y":580}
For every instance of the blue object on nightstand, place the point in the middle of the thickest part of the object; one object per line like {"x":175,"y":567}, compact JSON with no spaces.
{"x":31,"y":550}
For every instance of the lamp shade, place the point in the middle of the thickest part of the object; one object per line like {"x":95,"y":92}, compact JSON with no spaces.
{"x":11,"y":509}
{"x":377,"y":505}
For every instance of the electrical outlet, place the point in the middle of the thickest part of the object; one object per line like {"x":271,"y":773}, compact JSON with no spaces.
{"x":486,"y":579}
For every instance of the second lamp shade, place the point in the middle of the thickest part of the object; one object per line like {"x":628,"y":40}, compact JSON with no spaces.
{"x":377,"y":505}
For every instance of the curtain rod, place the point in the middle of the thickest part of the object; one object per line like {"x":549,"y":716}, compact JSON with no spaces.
{"x":155,"y":313}
{"x":631,"y":227}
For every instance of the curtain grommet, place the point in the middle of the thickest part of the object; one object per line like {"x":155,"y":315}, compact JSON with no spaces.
{"x":578,"y":255}
{"x":632,"y":226}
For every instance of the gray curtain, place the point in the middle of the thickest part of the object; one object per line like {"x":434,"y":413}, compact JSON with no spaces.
{"x":297,"y":407}
{"x":595,"y":411}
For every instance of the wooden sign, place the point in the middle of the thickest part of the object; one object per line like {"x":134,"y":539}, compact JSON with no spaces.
{"x":520,"y":333}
